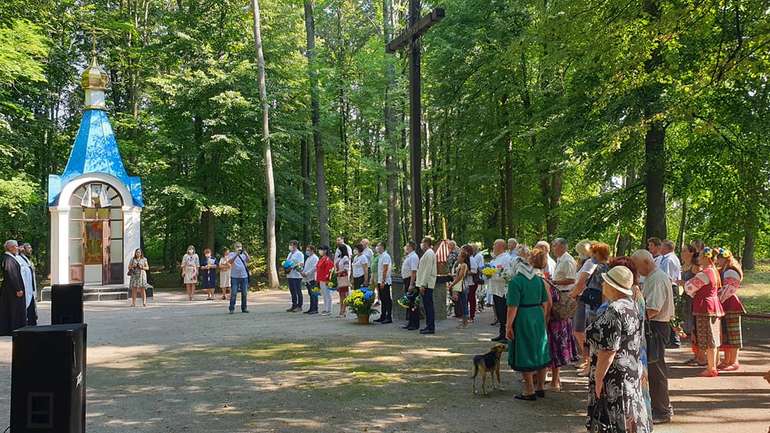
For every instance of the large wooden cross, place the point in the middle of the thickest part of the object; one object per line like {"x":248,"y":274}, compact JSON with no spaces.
{"x":411,"y":38}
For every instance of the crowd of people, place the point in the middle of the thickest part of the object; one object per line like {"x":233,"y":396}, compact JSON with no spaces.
{"x":611,"y":317}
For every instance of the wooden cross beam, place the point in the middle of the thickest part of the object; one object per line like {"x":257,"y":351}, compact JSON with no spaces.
{"x":415,"y":31}
{"x":411,"y":39}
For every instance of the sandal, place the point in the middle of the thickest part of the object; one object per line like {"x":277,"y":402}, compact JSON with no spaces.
{"x":531,"y":397}
{"x":733,"y":367}
{"x":708,"y":373}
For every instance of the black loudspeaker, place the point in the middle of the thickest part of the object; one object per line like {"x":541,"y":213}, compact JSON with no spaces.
{"x":48,"y":379}
{"x":66,"y":303}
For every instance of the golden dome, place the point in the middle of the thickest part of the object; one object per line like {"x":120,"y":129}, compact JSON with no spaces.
{"x":94,"y":77}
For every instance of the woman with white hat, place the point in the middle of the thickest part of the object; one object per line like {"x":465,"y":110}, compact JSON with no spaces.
{"x":615,"y":401}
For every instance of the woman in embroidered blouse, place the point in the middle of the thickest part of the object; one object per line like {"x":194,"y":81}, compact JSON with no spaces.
{"x":707,"y":309}
{"x":189,"y":267}
{"x":732,"y":337}
{"x":343,"y":276}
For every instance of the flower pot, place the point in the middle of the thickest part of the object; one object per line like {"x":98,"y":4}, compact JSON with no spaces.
{"x":363,"y":319}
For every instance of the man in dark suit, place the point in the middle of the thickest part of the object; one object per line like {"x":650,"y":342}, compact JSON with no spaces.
{"x":12,"y":303}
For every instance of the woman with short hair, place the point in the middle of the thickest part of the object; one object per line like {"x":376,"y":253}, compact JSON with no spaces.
{"x":137,"y":269}
{"x":189,"y":266}
{"x":360,"y":268}
{"x":208,"y":274}
{"x":615,"y":400}
{"x":225,"y":269}
{"x":528,"y":305}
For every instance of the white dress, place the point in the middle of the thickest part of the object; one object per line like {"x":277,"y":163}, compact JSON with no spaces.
{"x":190,"y":264}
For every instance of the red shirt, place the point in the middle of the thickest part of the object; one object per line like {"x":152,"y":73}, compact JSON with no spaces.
{"x":323,"y":269}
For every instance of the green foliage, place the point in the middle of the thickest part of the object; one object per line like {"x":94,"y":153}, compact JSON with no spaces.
{"x":535,"y":117}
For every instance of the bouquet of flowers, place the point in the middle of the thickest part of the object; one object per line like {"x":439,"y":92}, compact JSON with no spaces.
{"x":289,"y":266}
{"x":403,"y":301}
{"x":315,"y":290}
{"x":360,"y":301}
{"x":332,"y":284}
{"x":508,"y":272}
{"x":489,"y":271}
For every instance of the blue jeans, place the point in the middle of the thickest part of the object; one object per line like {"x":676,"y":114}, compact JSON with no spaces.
{"x":295,"y":287}
{"x":462,"y":298}
{"x":238,"y":285}
{"x":430,"y":313}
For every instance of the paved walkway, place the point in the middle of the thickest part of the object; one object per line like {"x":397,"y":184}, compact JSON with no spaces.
{"x":190,"y":367}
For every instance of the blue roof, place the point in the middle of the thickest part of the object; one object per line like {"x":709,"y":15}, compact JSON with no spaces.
{"x":95,"y":151}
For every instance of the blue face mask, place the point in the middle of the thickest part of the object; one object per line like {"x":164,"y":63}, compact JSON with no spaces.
{"x":308,"y":252}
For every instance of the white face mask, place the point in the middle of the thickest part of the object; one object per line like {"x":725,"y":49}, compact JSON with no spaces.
{"x":308,"y":252}
{"x":190,"y":252}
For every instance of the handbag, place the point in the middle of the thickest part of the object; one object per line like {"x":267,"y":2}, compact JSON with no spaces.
{"x":592,"y":295}
{"x":564,"y":307}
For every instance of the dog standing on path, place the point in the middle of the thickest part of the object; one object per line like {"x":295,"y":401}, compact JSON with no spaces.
{"x":488,"y":363}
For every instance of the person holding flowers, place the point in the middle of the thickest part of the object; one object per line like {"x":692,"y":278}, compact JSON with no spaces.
{"x":295,"y":261}
{"x":309,"y":277}
{"x":732,"y":337}
{"x":502,"y":260}
{"x":409,"y":276}
{"x":323,"y":275}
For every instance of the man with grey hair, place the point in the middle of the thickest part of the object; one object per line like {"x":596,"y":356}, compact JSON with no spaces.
{"x":566,"y":268}
{"x":659,"y":311}
{"x":512,"y":244}
{"x":13,"y":314}
{"x":239,"y":277}
{"x":670,"y":265}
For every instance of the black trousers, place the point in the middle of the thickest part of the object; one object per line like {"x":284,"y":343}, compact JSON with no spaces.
{"x":657,"y":335}
{"x":674,"y":339}
{"x":32,"y":314}
{"x":501,"y":311}
{"x":358,"y":282}
{"x":295,"y":288}
{"x":313,"y":296}
{"x":386,"y":301}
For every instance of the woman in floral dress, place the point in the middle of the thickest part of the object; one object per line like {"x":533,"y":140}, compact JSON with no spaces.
{"x":560,"y":341}
{"x":189,"y":267}
{"x":615,"y":400}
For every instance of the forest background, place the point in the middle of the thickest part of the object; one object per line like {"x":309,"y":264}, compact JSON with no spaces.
{"x":611,"y":120}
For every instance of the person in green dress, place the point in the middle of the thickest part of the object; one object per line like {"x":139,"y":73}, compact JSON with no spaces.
{"x":528,"y":306}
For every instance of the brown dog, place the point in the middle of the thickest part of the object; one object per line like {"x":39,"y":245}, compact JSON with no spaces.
{"x":488,"y":363}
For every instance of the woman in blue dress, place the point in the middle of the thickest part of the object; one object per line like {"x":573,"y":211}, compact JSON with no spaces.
{"x":208,"y":274}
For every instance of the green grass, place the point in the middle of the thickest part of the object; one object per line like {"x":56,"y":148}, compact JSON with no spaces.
{"x":755,"y":291}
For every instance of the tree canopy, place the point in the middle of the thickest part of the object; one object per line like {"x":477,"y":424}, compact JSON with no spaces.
{"x":608,"y":120}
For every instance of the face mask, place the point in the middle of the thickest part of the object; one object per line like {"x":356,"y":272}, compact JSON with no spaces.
{"x":208,"y":255}
{"x":308,"y":252}
{"x":190,"y":252}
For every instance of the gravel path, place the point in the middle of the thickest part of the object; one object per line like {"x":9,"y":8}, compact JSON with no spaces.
{"x":177,"y":366}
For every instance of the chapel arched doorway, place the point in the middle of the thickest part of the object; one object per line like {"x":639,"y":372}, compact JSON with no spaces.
{"x":96,"y":235}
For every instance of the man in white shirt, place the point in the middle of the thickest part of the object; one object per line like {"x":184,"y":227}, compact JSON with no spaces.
{"x":653,"y":246}
{"x":498,"y":287}
{"x":565,"y":271}
{"x":294,"y":276}
{"x":659,"y":310}
{"x":512,"y":244}
{"x":384,"y":281}
{"x":409,"y":276}
{"x":550,"y":268}
{"x":426,"y":281}
{"x":670,"y":265}
{"x":308,"y":275}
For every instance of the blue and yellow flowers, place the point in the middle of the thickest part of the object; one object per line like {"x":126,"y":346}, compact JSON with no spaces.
{"x":360,"y":301}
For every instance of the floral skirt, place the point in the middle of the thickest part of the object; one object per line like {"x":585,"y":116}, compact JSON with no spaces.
{"x":561,"y":343}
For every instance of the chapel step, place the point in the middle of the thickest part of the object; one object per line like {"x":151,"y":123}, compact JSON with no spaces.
{"x":99,"y":293}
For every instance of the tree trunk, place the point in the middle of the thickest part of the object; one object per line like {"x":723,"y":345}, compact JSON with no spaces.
{"x":391,"y":151}
{"x":682,"y":226}
{"x":655,"y":175}
{"x":315,"y":114}
{"x":208,"y":223}
{"x":305,"y":162}
{"x":415,"y":127}
{"x":272,"y":272}
{"x":654,"y":143}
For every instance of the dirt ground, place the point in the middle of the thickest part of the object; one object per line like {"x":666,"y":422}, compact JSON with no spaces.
{"x":178,"y":367}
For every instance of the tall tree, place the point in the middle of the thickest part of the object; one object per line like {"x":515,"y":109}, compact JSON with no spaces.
{"x":272,"y":272}
{"x":391,"y":140}
{"x":315,"y":117}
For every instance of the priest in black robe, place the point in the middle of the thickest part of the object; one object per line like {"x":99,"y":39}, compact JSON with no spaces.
{"x":13,"y":306}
